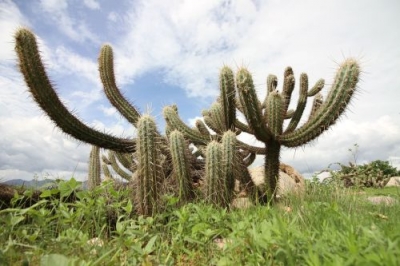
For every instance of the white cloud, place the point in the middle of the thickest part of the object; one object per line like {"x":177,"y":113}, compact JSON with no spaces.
{"x":74,"y":28}
{"x":11,"y":19}
{"x":92,"y":4}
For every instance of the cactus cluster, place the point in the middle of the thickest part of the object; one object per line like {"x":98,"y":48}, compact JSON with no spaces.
{"x":208,"y":156}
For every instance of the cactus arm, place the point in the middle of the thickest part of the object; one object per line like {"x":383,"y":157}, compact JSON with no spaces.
{"x":317,"y":102}
{"x":249,"y":159}
{"x":173,"y":120}
{"x":250,"y":148}
{"x":288,"y":86}
{"x":319,"y":85}
{"x":272,"y":83}
{"x":202,"y":128}
{"x":275,"y":111}
{"x":251,"y":105}
{"x":289,"y":114}
{"x":94,"y":179}
{"x":106,"y":172}
{"x":35,"y":76}
{"x":213,"y":180}
{"x":333,"y":107}
{"x":126,"y":159}
{"x":180,"y":163}
{"x":227,"y":96}
{"x":301,"y":104}
{"x":228,"y":146}
{"x":117,"y":168}
{"x":106,"y":69}
{"x":243,"y":127}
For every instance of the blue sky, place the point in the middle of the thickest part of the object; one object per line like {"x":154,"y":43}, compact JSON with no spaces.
{"x":170,"y":52}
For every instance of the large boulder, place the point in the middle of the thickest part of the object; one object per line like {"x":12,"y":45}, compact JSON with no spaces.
{"x":290,"y":181}
{"x":394,"y":182}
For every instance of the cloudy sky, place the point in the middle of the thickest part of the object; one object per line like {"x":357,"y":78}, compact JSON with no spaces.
{"x":171,"y":51}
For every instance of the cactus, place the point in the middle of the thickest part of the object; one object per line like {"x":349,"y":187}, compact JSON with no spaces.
{"x":180,"y":162}
{"x":213,"y":187}
{"x":226,"y":157}
{"x":94,"y":168}
{"x":268,"y":128}
{"x":149,"y":170}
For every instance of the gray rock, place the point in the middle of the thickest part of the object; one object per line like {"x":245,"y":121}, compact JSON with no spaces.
{"x":394,"y":182}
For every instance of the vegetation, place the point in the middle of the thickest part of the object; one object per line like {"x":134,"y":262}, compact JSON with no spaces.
{"x":374,"y":174}
{"x":328,"y":225}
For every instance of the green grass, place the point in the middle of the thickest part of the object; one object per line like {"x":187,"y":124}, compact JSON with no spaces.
{"x":326,"y":226}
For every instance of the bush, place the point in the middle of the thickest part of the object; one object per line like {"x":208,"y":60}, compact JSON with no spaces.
{"x":374,"y":174}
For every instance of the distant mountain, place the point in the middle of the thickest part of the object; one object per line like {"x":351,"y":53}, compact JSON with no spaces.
{"x":37,"y":184}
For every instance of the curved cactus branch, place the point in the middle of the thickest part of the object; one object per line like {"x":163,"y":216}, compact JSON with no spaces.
{"x":251,"y":105}
{"x":32,"y":68}
{"x":333,"y":107}
{"x":227,"y":96}
{"x":106,"y":69}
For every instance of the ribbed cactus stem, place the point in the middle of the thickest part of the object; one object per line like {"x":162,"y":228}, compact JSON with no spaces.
{"x":271,"y":168}
{"x":217,"y":116}
{"x":174,"y":122}
{"x":94,"y":174}
{"x":106,"y":69}
{"x":275,"y":110}
{"x":149,"y":173}
{"x":301,"y":103}
{"x":288,"y":86}
{"x":213,"y":182}
{"x":227,"y":96}
{"x":117,"y":168}
{"x":31,"y":66}
{"x":106,"y":172}
{"x":202,"y":127}
{"x":251,"y":105}
{"x":333,"y":107}
{"x":180,"y":163}
{"x":317,"y":103}
{"x":317,"y":88}
{"x":228,"y":145}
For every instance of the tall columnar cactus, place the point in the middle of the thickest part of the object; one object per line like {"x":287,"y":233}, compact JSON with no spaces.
{"x":213,"y":187}
{"x":94,"y":168}
{"x":180,"y":162}
{"x":149,"y":169}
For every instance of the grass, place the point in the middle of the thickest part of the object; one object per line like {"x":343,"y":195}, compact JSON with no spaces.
{"x":328,"y":225}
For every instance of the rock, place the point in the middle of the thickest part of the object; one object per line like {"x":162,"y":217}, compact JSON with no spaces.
{"x":382,"y":200}
{"x":290,"y":180}
{"x":394,"y":182}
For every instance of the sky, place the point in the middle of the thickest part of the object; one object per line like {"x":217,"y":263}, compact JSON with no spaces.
{"x":170,"y":52}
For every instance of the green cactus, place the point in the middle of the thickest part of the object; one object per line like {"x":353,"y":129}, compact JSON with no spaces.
{"x":213,"y":187}
{"x":265,"y":120}
{"x":94,"y":179}
{"x":149,"y":169}
{"x":42,"y":90}
{"x":229,"y":157}
{"x":180,"y":162}
{"x":269,"y":130}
